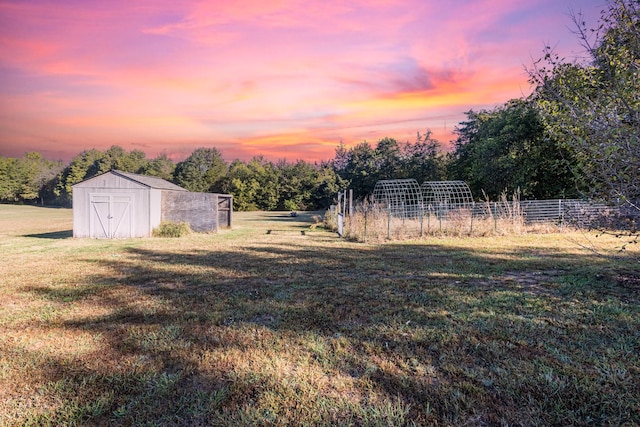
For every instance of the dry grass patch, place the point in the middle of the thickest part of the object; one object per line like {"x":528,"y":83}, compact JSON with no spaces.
{"x":377,"y":226}
{"x":283,"y":328}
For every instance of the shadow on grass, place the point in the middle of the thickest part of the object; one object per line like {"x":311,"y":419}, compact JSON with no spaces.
{"x":284,"y":219}
{"x":66,"y":234}
{"x":434,"y":334}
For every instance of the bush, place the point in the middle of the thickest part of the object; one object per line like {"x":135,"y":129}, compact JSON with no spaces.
{"x":172,"y":229}
{"x":330,"y":220}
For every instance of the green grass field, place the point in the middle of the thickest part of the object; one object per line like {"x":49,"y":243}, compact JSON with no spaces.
{"x":266,"y":325}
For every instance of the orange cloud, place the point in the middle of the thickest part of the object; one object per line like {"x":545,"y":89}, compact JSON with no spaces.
{"x":286,"y":78}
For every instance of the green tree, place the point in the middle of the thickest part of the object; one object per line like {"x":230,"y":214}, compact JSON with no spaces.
{"x":328,"y":184}
{"x":118,"y":158}
{"x":260,"y":184}
{"x":388,"y":157}
{"x":593,"y":106}
{"x":268,"y":192}
{"x":254,"y":185}
{"x":202,"y":171}
{"x":297,"y":183}
{"x":359,"y":168}
{"x":83,"y":166}
{"x":423,"y":160}
{"x":161,"y":166}
{"x":26,"y":179}
{"x":39,"y":175}
{"x":507,"y":149}
{"x":90,"y":163}
{"x":49,"y":179}
{"x":362,"y":166}
{"x":340,"y":161}
{"x":10,"y":179}
{"x":242,"y":183}
{"x":135,"y":162}
{"x":30,"y":167}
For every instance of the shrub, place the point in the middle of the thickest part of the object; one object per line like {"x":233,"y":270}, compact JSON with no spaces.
{"x":172,"y":229}
{"x":330,"y":220}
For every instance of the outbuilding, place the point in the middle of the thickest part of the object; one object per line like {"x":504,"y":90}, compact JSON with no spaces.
{"x":119,"y":204}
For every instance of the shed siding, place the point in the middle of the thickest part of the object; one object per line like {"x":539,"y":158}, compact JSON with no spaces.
{"x":109,"y":184}
{"x":140,"y":208}
{"x":155,"y":213}
{"x":109,"y":180}
{"x":200,"y":210}
{"x":81,"y":212}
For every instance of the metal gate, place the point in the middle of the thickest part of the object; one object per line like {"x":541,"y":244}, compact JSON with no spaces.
{"x":111,"y":216}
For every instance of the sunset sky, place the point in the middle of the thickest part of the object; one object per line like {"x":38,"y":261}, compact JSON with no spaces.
{"x":282,"y":78}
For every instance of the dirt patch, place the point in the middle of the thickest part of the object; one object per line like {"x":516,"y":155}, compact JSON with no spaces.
{"x":631,"y":282}
{"x":536,"y":282}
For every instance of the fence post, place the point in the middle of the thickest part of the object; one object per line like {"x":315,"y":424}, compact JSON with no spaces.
{"x":344,"y":209}
{"x":473,"y":206}
{"x":428,"y":219}
{"x":560,"y":214}
{"x":388,"y":222}
{"x":350,"y":202}
{"x":345,"y":215}
{"x":366,"y":209}
{"x":495,"y":217}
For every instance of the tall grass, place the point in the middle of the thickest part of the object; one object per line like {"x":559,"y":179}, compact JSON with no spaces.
{"x":371,"y":223}
{"x":247,"y":327}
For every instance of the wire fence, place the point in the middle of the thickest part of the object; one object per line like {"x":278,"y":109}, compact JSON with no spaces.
{"x":375,"y":222}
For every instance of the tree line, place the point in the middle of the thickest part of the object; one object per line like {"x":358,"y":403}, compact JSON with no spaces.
{"x":257,"y":184}
{"x":260,"y":184}
{"x":575,"y":136}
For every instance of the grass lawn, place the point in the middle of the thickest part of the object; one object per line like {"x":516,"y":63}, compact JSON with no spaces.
{"x":266,"y":325}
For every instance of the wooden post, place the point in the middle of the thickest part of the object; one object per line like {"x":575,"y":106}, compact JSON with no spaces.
{"x":344,"y":208}
{"x":366,"y":209}
{"x":473,"y":205}
{"x":350,"y":202}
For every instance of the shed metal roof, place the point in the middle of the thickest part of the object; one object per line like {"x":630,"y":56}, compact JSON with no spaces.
{"x":146,"y":180}
{"x":150,"y":181}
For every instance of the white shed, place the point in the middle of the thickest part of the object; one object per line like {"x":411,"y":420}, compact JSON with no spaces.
{"x":118,"y":204}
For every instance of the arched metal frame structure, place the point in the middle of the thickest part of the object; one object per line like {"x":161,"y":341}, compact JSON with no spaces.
{"x":405,"y":198}
{"x":450,"y":193}
{"x":402,"y":197}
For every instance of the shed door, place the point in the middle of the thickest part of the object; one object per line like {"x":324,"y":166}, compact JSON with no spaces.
{"x":111,"y":216}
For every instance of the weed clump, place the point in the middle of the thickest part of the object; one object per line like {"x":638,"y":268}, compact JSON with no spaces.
{"x":172,"y":229}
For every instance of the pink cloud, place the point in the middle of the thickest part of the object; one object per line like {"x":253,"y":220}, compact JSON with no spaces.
{"x":258,"y":76}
